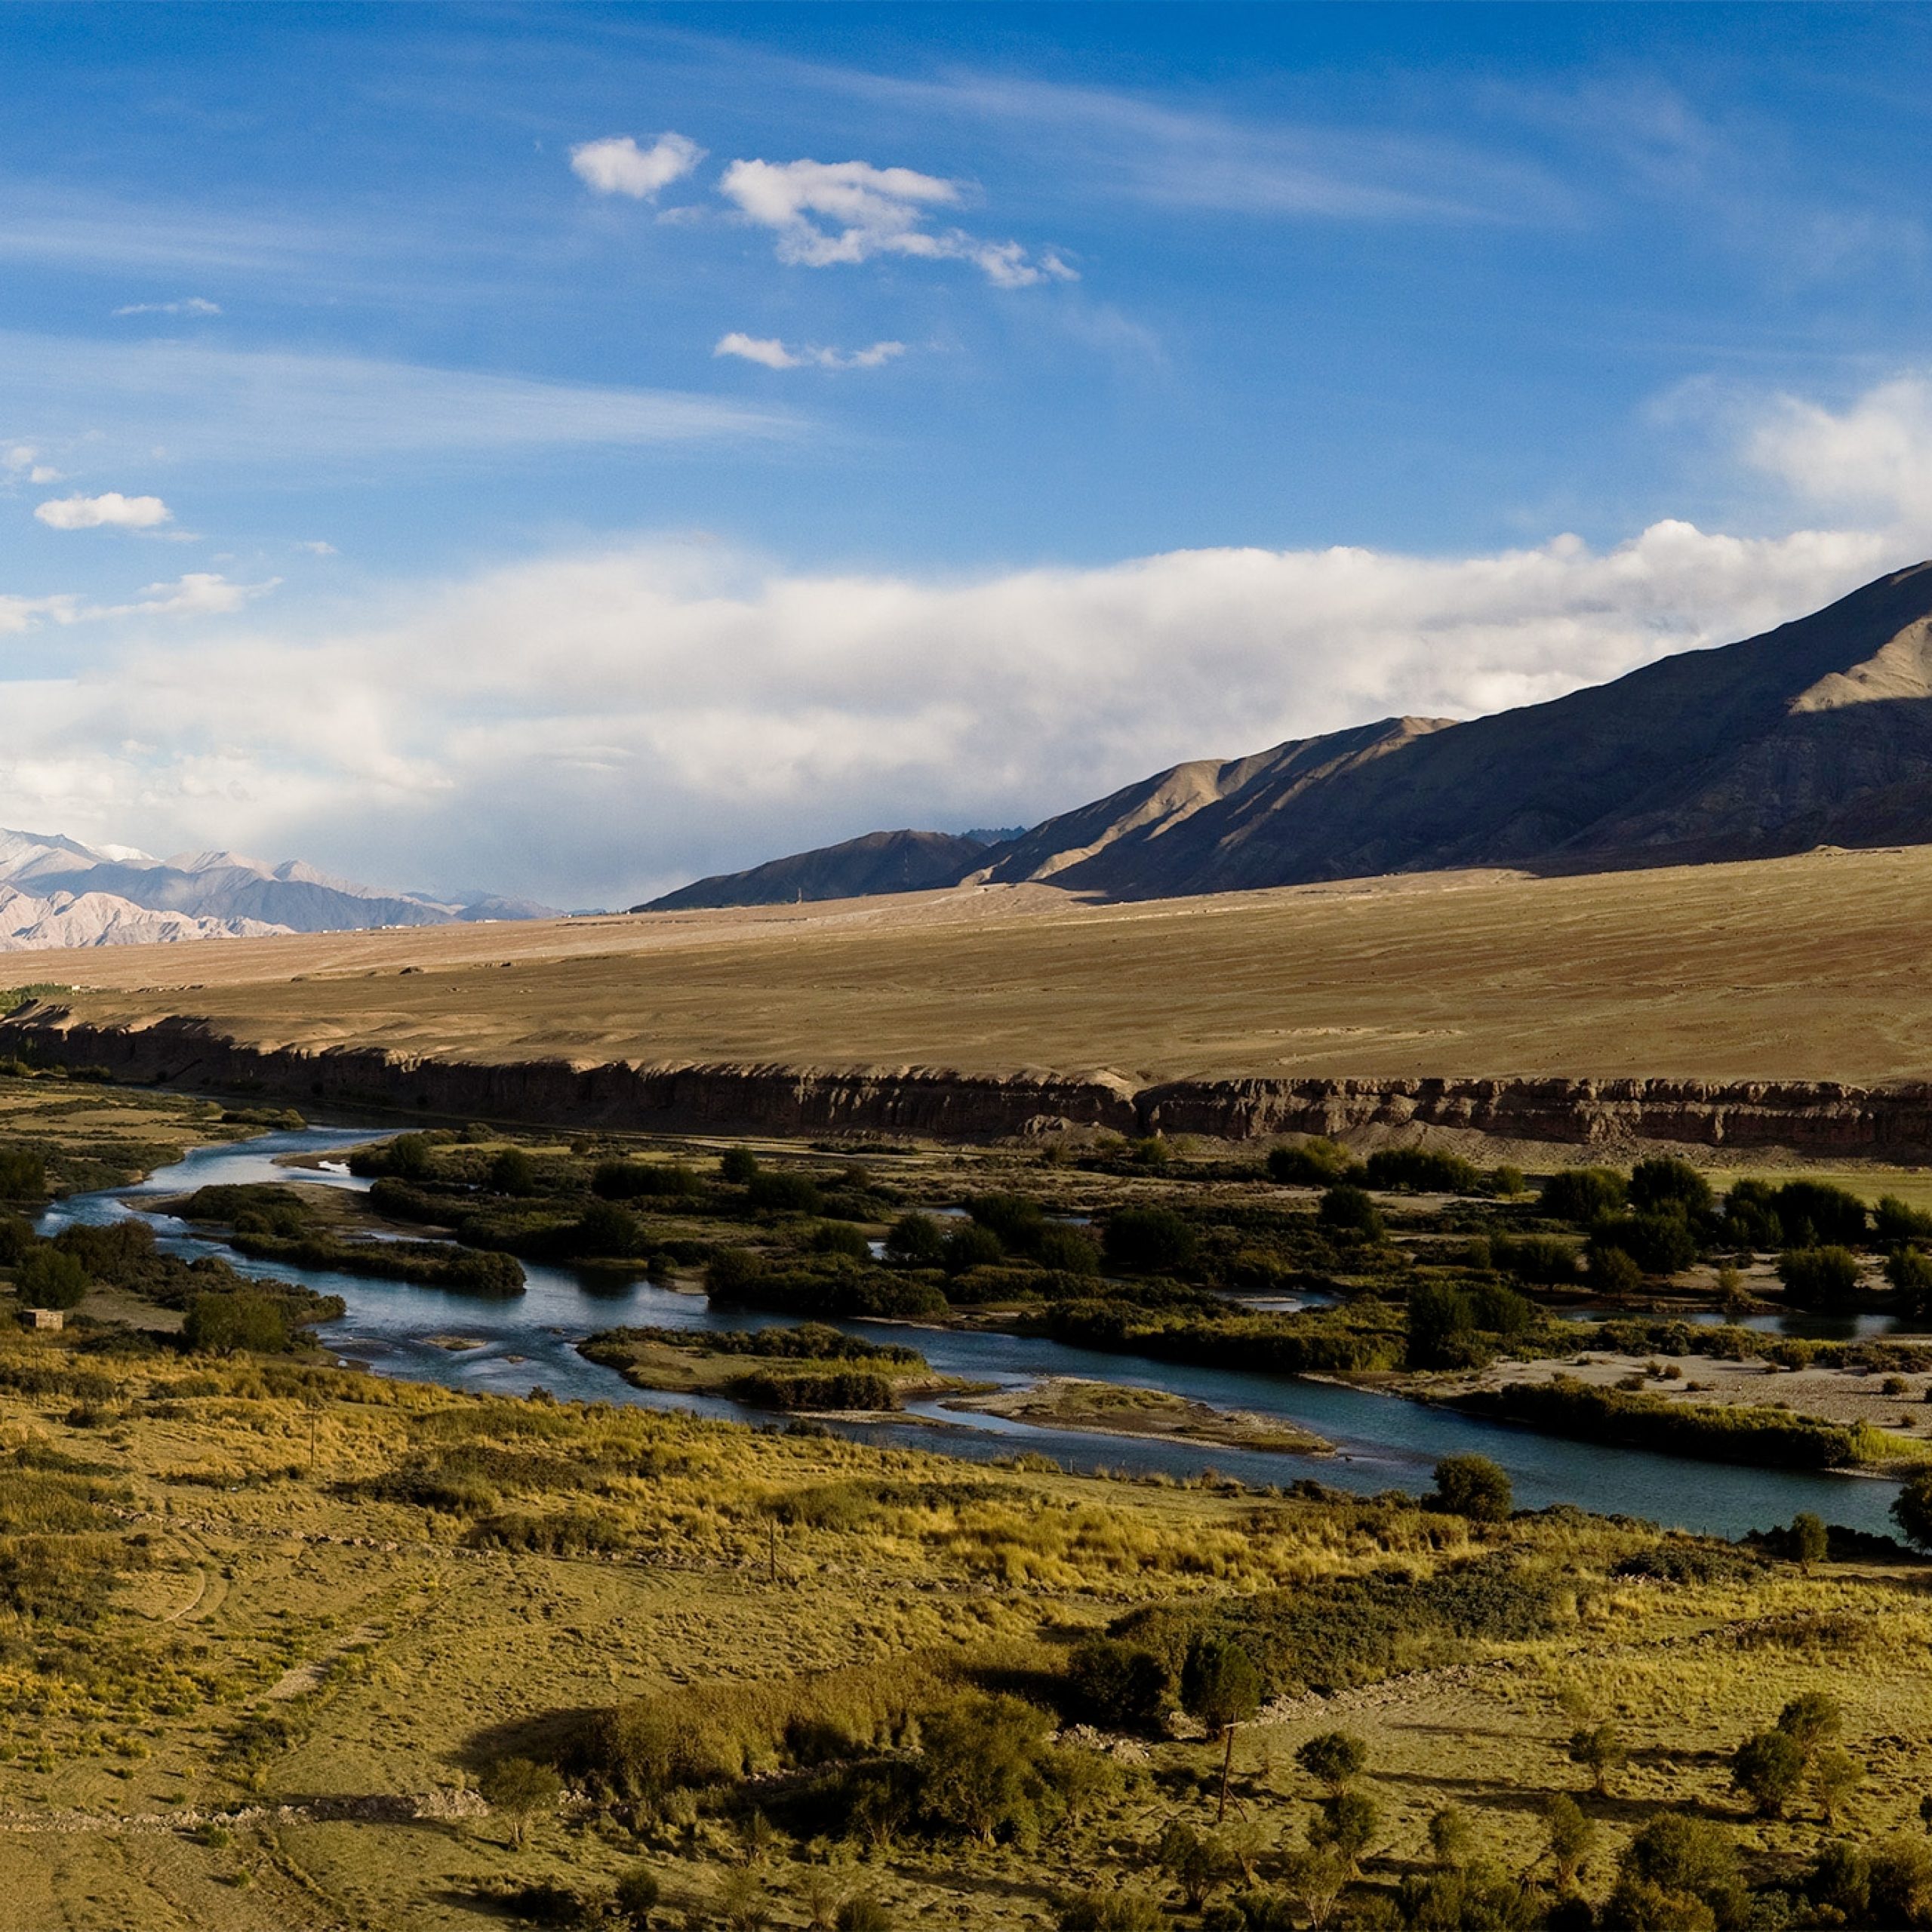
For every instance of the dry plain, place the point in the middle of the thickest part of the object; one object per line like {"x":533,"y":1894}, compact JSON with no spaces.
{"x":1814,"y":967}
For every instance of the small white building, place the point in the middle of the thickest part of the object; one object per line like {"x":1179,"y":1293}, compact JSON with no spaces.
{"x":46,"y":1318}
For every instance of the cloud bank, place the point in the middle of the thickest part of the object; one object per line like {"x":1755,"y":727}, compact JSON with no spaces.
{"x":593,"y":728}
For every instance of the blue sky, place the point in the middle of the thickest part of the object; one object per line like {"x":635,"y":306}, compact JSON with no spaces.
{"x":1102,"y":387}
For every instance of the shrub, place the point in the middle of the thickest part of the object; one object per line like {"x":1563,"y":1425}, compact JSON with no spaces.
{"x":638,"y":1892}
{"x":22,"y":1174}
{"x":1659,"y":1242}
{"x":970,"y":1246}
{"x":1315,"y":1163}
{"x":1769,"y":1768}
{"x":1599,"y":1749}
{"x":1912,"y":1510}
{"x":1901,"y":1884}
{"x":1345,"y":1824}
{"x":1813,"y":1213}
{"x":48,"y":1279}
{"x":1121,"y":1686}
{"x":1910,"y":1270}
{"x":513,"y":1172}
{"x":1106,"y":1910}
{"x":863,"y":1913}
{"x":1218,"y":1684}
{"x":223,"y":1323}
{"x":1583,"y":1194}
{"x":1612,"y":1271}
{"x":1547,"y":1259}
{"x":1840,"y":1879}
{"x":1347,"y":1209}
{"x":1572,"y":1834}
{"x":915,"y":1241}
{"x":1192,"y":1859}
{"x":1442,"y":1328}
{"x":607,"y":1231}
{"x":1423,"y":1170}
{"x":1149,"y":1240}
{"x":1813,"y":1719}
{"x":1474,"y":1487}
{"x":1012,"y":1217}
{"x":783,"y":1191}
{"x":1674,"y":1859}
{"x":981,"y":1769}
{"x":520,"y":1788}
{"x":1818,"y":1278}
{"x":1334,"y":1759}
{"x":1749,"y":1216}
{"x":1893,"y":1220}
{"x":839,"y":1238}
{"x":1069,"y":1250}
{"x":1664,"y":1182}
{"x":1810,"y":1541}
{"x":739,"y":1165}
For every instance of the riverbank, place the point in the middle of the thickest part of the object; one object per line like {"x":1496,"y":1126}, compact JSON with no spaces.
{"x":1113,"y":1408}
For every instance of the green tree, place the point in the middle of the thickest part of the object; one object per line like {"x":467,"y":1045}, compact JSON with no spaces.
{"x":1664,"y":1183}
{"x":1192,"y":1859}
{"x":1612,"y":1271}
{"x":981,"y":1768}
{"x":1582,"y":1195}
{"x":1315,"y":1163}
{"x":1149,"y":1240}
{"x":1218,"y":1684}
{"x":521,"y":1789}
{"x":1901,"y":1882}
{"x":1118,"y":1685}
{"x":1835,"y":1775}
{"x":1346,"y":1209}
{"x":1315,"y":1879}
{"x":1813,"y":1717}
{"x":970,"y":1246}
{"x":48,"y":1279}
{"x":1474,"y":1487}
{"x":1818,"y":1278}
{"x":513,"y":1172}
{"x":1679,"y":1873}
{"x":1572,"y":1834}
{"x":22,"y":1174}
{"x":225,"y":1321}
{"x":738,"y":1165}
{"x":915,"y":1241}
{"x":637,"y":1895}
{"x":1334,"y":1759}
{"x":1599,"y":1749}
{"x":1345,"y":1824}
{"x":1769,"y":1768}
{"x":1912,"y":1510}
{"x":1810,"y":1542}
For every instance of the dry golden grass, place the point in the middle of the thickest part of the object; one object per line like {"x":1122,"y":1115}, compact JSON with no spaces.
{"x":1814,"y":967}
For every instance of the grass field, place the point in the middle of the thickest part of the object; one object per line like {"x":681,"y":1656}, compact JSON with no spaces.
{"x":281,"y":1716}
{"x":1813,"y":967}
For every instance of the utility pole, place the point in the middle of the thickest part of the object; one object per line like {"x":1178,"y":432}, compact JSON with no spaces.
{"x":1227,"y":1765}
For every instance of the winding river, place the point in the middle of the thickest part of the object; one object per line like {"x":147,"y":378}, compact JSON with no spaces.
{"x":1381,"y":1441}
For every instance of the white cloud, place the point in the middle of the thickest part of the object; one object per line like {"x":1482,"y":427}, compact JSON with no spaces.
{"x":1874,"y":454}
{"x":774,"y":354}
{"x":317,"y":547}
{"x":827,"y":212}
{"x":541,"y":715}
{"x":198,"y":594}
{"x":619,"y":166}
{"x":192,"y":305}
{"x":22,"y":460}
{"x":111,"y":509}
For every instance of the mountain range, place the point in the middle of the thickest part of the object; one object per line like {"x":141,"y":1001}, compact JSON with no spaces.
{"x":1817,"y":733}
{"x":55,"y":891}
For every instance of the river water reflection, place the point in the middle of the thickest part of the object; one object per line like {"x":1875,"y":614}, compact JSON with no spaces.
{"x":1382,"y":1441}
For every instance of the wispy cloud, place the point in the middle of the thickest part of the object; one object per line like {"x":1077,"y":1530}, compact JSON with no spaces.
{"x":618,"y":166}
{"x":22,"y":463}
{"x":204,"y":402}
{"x":773,"y":354}
{"x":111,"y":510}
{"x":825,"y":213}
{"x":192,"y":304}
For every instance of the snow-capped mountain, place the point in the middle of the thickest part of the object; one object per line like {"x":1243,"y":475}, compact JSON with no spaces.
{"x":56,"y":891}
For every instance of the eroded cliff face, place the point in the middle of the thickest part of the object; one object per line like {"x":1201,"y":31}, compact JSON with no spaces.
{"x":1812,"y":1117}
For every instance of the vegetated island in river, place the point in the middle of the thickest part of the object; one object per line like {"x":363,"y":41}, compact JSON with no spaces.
{"x":812,"y":1369}
{"x":1109,"y":1408}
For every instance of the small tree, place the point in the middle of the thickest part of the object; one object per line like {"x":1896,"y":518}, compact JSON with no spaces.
{"x":1599,"y":1749}
{"x":1347,"y":1209}
{"x":1614,"y":1272}
{"x":48,"y":1279}
{"x":1901,"y":1882}
{"x":915,"y":1241}
{"x":1675,"y":1865}
{"x":1818,"y":1278}
{"x":1835,"y":1775}
{"x":1572,"y":1834}
{"x":1334,"y":1759}
{"x":1912,"y":1509}
{"x":637,"y":1894}
{"x":1192,"y":1859}
{"x":1450,"y":1837}
{"x":1769,"y":1768}
{"x":1218,"y":1684}
{"x":1344,"y":1825}
{"x":521,"y":1788}
{"x":738,"y":1165}
{"x":1315,"y":1879}
{"x":1474,"y":1487}
{"x":513,"y":1172}
{"x":1810,"y":1542}
{"x":981,"y":1770}
{"x":1149,"y":1240}
{"x":1812,"y":1718}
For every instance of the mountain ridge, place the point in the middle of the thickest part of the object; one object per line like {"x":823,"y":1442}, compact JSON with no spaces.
{"x":1817,"y":732}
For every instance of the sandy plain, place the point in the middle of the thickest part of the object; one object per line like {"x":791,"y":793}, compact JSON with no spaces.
{"x":1814,"y":967}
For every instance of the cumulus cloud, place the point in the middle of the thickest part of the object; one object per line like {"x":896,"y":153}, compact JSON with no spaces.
{"x":112,"y":510}
{"x":192,"y":304}
{"x":1876,"y":453}
{"x":774,"y":354}
{"x":22,"y":460}
{"x":199,"y":594}
{"x":595,"y":727}
{"x":845,"y":211}
{"x":618,"y":166}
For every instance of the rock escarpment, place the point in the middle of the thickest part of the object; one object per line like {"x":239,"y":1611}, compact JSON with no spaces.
{"x":1812,"y":1117}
